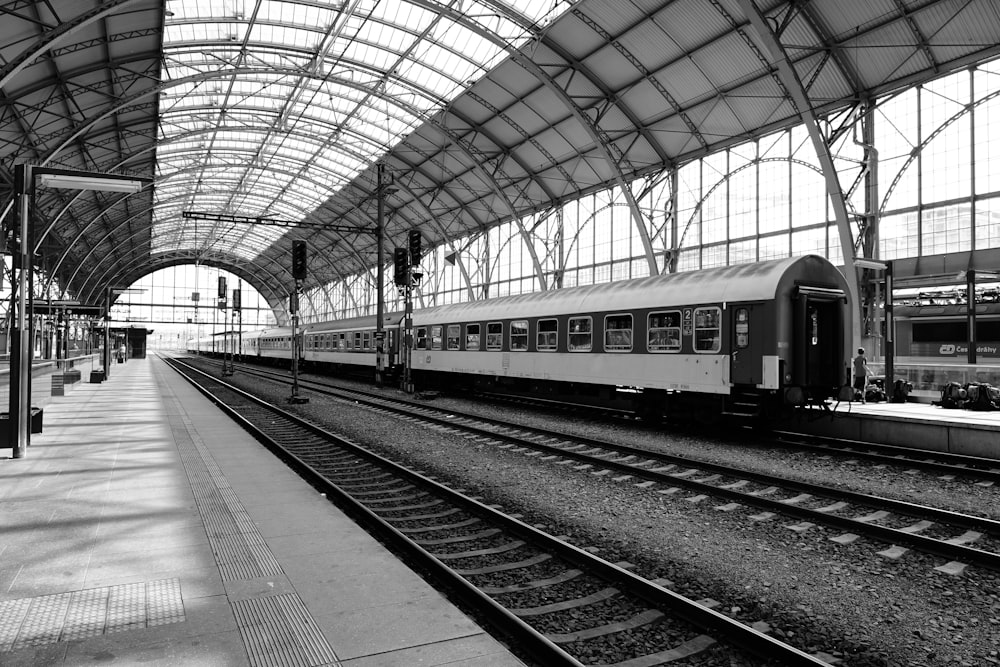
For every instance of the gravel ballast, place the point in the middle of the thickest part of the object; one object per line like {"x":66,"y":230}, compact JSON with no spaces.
{"x":846,"y":601}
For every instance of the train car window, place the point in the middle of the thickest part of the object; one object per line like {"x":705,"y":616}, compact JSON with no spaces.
{"x":471,"y":336}
{"x":494,"y":336}
{"x":367,"y":340}
{"x":664,"y":332}
{"x":357,"y":340}
{"x":618,"y":333}
{"x":707,"y":329}
{"x":548,"y":335}
{"x":743,"y":327}
{"x":421,"y":342}
{"x":519,"y":335}
{"x":436,"y":337}
{"x":580,"y":334}
{"x":454,"y":336}
{"x":341,"y":342}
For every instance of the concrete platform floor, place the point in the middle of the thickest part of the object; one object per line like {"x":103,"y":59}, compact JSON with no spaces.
{"x":142,"y":527}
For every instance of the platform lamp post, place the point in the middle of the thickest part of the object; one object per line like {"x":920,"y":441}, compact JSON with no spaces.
{"x":27,"y":177}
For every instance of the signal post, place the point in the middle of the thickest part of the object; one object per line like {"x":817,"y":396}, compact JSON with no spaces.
{"x":406,"y":274}
{"x":299,"y":262}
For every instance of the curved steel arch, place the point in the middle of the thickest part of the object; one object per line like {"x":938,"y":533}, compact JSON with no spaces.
{"x":107,"y":237}
{"x":919,"y":149}
{"x":56,"y":36}
{"x":727,"y":176}
{"x":792,"y":84}
{"x":142,"y":231}
{"x":164,"y":261}
{"x":102,"y":282}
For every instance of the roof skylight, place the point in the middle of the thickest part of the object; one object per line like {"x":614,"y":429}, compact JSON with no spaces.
{"x":279,"y":104}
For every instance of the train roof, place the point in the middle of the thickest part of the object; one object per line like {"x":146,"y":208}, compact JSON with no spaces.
{"x":760,"y":281}
{"x":352,"y":323}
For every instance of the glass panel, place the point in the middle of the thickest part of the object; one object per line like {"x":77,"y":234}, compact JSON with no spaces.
{"x":548,"y":334}
{"x":580,"y":334}
{"x":664,"y":332}
{"x":618,"y":333}
{"x":988,"y":224}
{"x":707,"y":329}
{"x":519,"y":335}
{"x":454,"y":336}
{"x":472,"y":337}
{"x":946,"y":229}
{"x":494,"y":336}
{"x":436,"y":337}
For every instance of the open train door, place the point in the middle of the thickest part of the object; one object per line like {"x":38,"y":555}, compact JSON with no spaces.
{"x":819,"y":339}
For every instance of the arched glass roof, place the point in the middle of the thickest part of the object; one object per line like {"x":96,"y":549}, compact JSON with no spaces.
{"x":273,"y":106}
{"x":478,"y":112}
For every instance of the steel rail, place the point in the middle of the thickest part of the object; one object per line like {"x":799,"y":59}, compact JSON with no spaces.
{"x":882,"y":533}
{"x":734,"y":632}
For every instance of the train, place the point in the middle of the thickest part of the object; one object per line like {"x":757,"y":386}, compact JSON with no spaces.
{"x":932,"y":343}
{"x":747,"y":340}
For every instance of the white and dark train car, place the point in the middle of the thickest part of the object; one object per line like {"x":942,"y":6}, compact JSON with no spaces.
{"x":350,"y":346}
{"x":746,"y":339}
{"x":259,"y":344}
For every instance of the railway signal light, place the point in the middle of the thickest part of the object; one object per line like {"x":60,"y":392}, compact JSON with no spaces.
{"x":237,"y":301}
{"x":399,"y":262}
{"x":222,"y":287}
{"x":414,"y":243}
{"x":299,"y":261}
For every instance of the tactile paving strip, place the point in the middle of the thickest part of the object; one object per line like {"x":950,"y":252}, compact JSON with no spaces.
{"x":239,"y":549}
{"x":48,"y":619}
{"x":278,"y":631}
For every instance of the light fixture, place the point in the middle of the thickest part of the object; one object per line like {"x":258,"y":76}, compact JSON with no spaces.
{"x":872,"y":264}
{"x":90,"y":182}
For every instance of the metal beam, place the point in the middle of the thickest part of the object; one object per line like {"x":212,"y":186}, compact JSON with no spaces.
{"x":793,"y":85}
{"x":277,"y":222}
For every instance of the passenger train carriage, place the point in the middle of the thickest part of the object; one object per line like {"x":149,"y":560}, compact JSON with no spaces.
{"x":745,"y":339}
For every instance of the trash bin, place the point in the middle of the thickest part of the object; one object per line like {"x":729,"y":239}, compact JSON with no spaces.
{"x":35,"y":425}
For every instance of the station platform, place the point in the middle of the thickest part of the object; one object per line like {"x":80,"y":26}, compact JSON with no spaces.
{"x":143,"y":527}
{"x":920,"y":425}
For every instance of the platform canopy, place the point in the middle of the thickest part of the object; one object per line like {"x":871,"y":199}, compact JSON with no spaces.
{"x":479,"y":110}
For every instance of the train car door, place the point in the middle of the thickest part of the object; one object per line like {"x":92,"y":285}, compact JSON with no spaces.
{"x":746,"y":344}
{"x":819,"y":338}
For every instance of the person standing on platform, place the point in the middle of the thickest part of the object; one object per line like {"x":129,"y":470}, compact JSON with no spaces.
{"x":861,"y":373}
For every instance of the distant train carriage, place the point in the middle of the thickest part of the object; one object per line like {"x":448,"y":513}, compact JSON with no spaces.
{"x":932,"y":347}
{"x":351,"y":345}
{"x":936,"y":333}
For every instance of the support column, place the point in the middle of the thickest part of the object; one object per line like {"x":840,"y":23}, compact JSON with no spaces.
{"x":19,"y":405}
{"x":970,"y":309}
{"x":380,"y":341}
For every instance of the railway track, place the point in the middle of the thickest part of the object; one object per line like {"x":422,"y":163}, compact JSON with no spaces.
{"x":506,"y":570}
{"x":959,"y":538}
{"x":945,"y":465}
